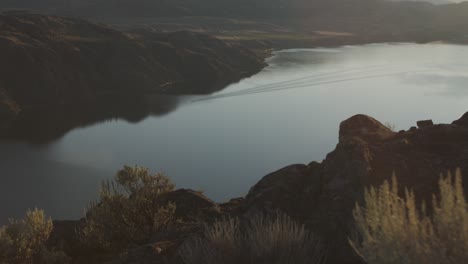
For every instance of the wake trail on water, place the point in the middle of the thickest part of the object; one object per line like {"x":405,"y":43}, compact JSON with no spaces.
{"x":301,"y":80}
{"x":305,"y":81}
{"x":294,"y":84}
{"x":314,"y":76}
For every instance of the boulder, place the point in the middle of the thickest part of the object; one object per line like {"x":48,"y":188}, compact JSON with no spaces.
{"x":424,"y":123}
{"x":364,"y":127}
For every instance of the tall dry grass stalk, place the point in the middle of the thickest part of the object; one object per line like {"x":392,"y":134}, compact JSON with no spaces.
{"x":391,"y":229}
{"x":261,"y":239}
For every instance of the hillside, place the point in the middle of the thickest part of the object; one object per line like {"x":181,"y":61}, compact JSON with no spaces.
{"x":291,"y":24}
{"x":50,"y":61}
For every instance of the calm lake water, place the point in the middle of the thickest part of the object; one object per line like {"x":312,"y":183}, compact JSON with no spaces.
{"x":224,"y":143}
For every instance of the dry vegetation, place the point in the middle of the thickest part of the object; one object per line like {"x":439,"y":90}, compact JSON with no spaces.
{"x":389,"y":229}
{"x":261,"y":239}
{"x":395,"y":230}
{"x":128,"y":211}
{"x":24,"y":241}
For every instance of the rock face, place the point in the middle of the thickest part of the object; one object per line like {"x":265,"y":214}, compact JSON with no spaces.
{"x":425,"y":123}
{"x":364,"y":127}
{"x":463,"y":121}
{"x":367,"y":153}
{"x":290,"y":189}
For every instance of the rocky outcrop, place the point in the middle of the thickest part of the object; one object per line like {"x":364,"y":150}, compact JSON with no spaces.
{"x":463,"y":121}
{"x":323,"y":195}
{"x":424,"y":123}
{"x":364,"y":127}
{"x":367,"y":153}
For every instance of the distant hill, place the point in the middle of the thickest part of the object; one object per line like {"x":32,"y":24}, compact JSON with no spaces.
{"x":387,"y":15}
{"x":435,"y":2}
{"x":65,"y":59}
{"x":51,"y":61}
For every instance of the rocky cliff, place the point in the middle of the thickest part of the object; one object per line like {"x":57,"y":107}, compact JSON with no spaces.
{"x":322,"y":195}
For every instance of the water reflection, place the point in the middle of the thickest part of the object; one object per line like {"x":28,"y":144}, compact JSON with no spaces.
{"x":453,"y":85}
{"x":45,"y":125}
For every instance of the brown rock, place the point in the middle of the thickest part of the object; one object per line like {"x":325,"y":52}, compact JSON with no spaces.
{"x":291,"y":190}
{"x":463,"y":121}
{"x":367,"y":154}
{"x":234,"y":207}
{"x":424,"y":123}
{"x":364,"y":127}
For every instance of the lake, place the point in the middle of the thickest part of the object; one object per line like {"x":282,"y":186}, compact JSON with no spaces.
{"x":225,"y":142}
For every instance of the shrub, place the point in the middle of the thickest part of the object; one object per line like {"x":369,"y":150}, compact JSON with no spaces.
{"x":23,"y":241}
{"x":128,"y":211}
{"x":258,"y":240}
{"x":391,"y":229}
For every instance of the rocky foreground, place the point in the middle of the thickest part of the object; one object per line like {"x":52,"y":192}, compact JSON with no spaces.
{"x":321,"y":195}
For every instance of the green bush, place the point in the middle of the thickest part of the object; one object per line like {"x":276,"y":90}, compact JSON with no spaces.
{"x":392,"y":230}
{"x":23,"y":241}
{"x":258,"y":240}
{"x":128,"y":211}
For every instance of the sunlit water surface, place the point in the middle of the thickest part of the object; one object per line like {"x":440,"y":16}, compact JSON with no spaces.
{"x":223,"y":144}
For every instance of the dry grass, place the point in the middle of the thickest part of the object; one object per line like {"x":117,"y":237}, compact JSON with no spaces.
{"x":392,"y":230}
{"x":261,"y":239}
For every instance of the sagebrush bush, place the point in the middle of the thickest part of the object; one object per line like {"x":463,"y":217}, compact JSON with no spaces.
{"x":259,"y":240}
{"x":391,"y":229}
{"x":24,"y":241}
{"x":128,"y":211}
